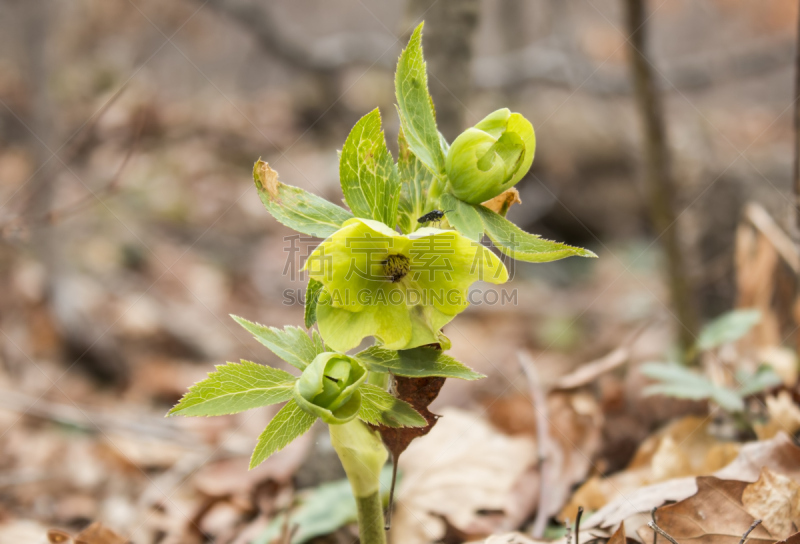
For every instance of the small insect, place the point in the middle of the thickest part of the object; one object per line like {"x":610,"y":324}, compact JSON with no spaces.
{"x":433,"y":216}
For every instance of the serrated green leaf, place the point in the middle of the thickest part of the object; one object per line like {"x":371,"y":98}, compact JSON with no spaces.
{"x":415,"y":180}
{"x":762,"y":379}
{"x":463,"y":217}
{"x":289,"y":423}
{"x":672,"y":372}
{"x":728,"y":400}
{"x":727,"y":328}
{"x":319,"y":345}
{"x":381,"y":408}
{"x":680,"y":382}
{"x":367,"y":172}
{"x":296,"y":208}
{"x":291,"y":344}
{"x":312,"y":296}
{"x":236,"y":387}
{"x":681,"y":391}
{"x":523,"y":246}
{"x":415,"y":107}
{"x":416,"y":363}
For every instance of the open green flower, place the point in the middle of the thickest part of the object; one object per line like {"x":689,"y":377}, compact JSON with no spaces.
{"x":490,"y":157}
{"x":399,"y":288}
{"x":328,"y":387}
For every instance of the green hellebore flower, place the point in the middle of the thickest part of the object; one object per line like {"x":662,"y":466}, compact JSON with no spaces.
{"x":490,"y":157}
{"x":328,"y":387}
{"x":399,"y":288}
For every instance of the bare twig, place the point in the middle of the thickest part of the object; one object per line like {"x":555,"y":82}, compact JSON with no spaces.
{"x":82,"y":417}
{"x":662,"y":532}
{"x":660,"y":184}
{"x":755,"y":524}
{"x":569,"y":531}
{"x":540,"y":62}
{"x":766,"y":225}
{"x":653,"y":517}
{"x":549,"y":461}
{"x":578,"y":525}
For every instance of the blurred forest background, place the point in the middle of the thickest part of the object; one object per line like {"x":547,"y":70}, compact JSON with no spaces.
{"x":130,"y":229}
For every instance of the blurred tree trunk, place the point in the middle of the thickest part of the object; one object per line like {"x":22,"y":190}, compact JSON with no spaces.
{"x":449,"y":30}
{"x":660,"y":185}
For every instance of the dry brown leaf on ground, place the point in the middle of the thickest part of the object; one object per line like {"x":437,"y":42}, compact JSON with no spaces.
{"x":683,"y":448}
{"x":784,"y":415}
{"x":713,"y":515}
{"x":466,"y":471}
{"x":794,"y":539}
{"x":775,"y":500}
{"x":575,"y":423}
{"x":778,"y":454}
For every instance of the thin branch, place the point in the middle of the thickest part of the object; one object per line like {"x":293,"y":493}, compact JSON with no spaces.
{"x":547,"y":451}
{"x":755,"y":524}
{"x":660,"y":185}
{"x":653,"y":517}
{"x":662,"y":532}
{"x":540,"y":62}
{"x":578,"y":525}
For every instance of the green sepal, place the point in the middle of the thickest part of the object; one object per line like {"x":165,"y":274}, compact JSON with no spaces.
{"x":463,"y":217}
{"x":312,"y":297}
{"x":415,"y":107}
{"x":328,"y":387}
{"x":289,"y":423}
{"x":296,"y":208}
{"x":292,"y":344}
{"x":419,"y":362}
{"x":381,"y":408}
{"x":367,"y":172}
{"x":236,"y":387}
{"x":523,"y":246}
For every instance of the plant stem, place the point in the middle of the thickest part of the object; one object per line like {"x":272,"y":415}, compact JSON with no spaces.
{"x":363,"y":455}
{"x":370,"y":519}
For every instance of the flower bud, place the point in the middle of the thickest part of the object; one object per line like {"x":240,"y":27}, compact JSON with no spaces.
{"x":328,"y":387}
{"x":490,"y":157}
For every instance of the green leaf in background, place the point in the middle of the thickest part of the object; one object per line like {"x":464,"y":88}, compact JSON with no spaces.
{"x":322,"y":510}
{"x":464,"y":217}
{"x":680,"y":382}
{"x":291,"y":344}
{"x":368,"y":174}
{"x":523,"y":246}
{"x":296,"y":208}
{"x":415,"y":180}
{"x":763,"y":378}
{"x":289,"y":423}
{"x":312,"y":296}
{"x":727,"y":328}
{"x":416,"y":363}
{"x":415,"y":107}
{"x":236,"y":387}
{"x":381,"y":408}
